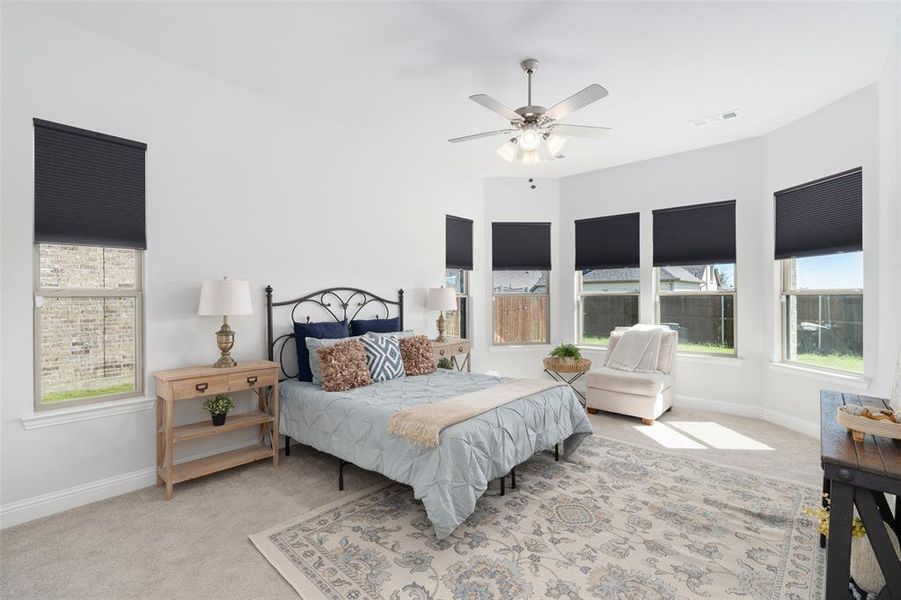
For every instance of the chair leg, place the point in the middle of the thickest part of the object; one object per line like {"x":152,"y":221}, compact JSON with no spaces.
{"x":513,"y":478}
{"x":592,"y":411}
{"x":647,"y":421}
{"x":287,"y":446}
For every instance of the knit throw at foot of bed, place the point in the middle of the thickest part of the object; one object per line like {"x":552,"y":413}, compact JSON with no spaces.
{"x":619,"y":523}
{"x":422,"y":424}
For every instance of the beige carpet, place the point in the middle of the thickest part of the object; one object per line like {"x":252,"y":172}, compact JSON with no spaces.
{"x":196,"y":546}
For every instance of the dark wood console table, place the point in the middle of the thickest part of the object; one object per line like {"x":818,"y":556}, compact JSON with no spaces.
{"x":859,"y":474}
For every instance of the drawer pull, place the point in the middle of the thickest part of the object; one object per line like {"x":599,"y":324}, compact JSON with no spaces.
{"x":201,"y":387}
{"x":252,"y":380}
{"x":460,"y":349}
{"x":441,"y":352}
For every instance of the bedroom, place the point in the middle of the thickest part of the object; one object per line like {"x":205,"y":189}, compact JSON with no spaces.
{"x":305,"y":146}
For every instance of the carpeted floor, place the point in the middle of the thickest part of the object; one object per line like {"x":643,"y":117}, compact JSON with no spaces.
{"x":196,"y":546}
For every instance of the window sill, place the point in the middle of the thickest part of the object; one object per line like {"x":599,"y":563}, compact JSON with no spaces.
{"x":522,"y":347}
{"x":710,"y":359}
{"x":86,"y":412}
{"x":849,"y":379}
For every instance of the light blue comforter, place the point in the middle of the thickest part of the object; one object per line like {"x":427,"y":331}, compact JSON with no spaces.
{"x":450,"y":478}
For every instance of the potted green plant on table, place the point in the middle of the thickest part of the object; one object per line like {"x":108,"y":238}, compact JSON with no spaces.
{"x":445,"y":363}
{"x":218,"y":407}
{"x":566,"y":358}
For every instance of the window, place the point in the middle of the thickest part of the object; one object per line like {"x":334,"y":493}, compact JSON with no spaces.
{"x":458,"y":320}
{"x":608,"y":298}
{"x":88,"y":323}
{"x":607,"y":260}
{"x":521,"y":263}
{"x":698,"y":301}
{"x":89,"y":234}
{"x":694,"y":260}
{"x":819,"y":243}
{"x":823,"y":311}
{"x":521,"y":307}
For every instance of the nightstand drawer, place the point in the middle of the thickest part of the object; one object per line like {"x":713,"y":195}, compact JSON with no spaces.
{"x":251,"y":380}
{"x":201,"y":386}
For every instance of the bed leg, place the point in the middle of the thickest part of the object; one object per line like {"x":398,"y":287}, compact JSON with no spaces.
{"x":341,"y":464}
{"x":287,"y":446}
{"x":513,"y":478}
{"x":503,"y":486}
{"x":556,"y":452}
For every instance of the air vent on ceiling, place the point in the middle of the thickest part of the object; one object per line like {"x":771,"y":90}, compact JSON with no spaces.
{"x":718,"y":118}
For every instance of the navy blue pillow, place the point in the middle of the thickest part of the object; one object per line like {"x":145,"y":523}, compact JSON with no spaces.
{"x":362,"y":326}
{"x":323,"y":331}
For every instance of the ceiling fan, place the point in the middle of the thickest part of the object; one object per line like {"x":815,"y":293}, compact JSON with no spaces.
{"x":534,"y":134}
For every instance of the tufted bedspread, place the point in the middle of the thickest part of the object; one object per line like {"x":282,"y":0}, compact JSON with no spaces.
{"x":450,"y":478}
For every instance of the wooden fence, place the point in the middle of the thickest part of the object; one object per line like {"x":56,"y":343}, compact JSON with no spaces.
{"x":520,"y":319}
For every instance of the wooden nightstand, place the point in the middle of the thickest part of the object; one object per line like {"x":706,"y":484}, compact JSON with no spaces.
{"x":452,"y":348}
{"x":197,"y":382}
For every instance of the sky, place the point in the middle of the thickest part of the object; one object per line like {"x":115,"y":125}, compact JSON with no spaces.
{"x":839,"y":271}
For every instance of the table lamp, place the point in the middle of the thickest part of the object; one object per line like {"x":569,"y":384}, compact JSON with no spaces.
{"x":441,"y":299}
{"x":225,"y":297}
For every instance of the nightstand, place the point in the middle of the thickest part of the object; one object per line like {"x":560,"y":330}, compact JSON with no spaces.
{"x":452,"y":348}
{"x":176,"y":385}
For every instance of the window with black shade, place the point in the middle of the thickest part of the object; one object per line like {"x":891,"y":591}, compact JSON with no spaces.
{"x":819,"y":246}
{"x":89,"y":240}
{"x":607,"y":267}
{"x":458,"y":265}
{"x":521,"y":264}
{"x":694,"y":260}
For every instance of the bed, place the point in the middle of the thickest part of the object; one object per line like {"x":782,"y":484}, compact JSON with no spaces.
{"x":448,"y":479}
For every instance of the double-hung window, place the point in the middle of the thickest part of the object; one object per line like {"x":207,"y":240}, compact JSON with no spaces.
{"x":521,"y":264}
{"x":819,"y":245}
{"x":88,"y":284}
{"x":458,"y":265}
{"x":607,"y":275}
{"x":694,"y":260}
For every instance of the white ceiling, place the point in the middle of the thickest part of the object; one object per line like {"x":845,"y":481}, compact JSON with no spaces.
{"x":405,"y":70}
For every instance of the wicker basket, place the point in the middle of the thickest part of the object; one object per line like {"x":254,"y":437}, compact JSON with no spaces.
{"x":859,"y":426}
{"x":566,"y":365}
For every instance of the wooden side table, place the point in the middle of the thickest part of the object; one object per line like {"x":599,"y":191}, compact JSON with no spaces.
{"x":197,"y":382}
{"x":452,"y":348}
{"x":858,"y":474}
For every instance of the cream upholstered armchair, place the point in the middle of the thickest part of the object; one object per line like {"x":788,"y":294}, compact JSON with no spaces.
{"x":638,"y":394}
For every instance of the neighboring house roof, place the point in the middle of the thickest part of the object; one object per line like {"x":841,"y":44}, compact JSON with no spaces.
{"x":632,"y":274}
{"x":519,"y":281}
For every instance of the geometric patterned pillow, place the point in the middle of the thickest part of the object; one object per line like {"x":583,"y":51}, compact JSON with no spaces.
{"x":419,"y":359}
{"x":383,"y":357}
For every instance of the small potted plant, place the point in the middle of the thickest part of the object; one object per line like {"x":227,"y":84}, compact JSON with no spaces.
{"x":566,"y":358}
{"x":445,"y":363}
{"x":218,"y":407}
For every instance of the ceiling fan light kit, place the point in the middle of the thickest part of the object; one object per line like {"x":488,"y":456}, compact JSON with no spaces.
{"x":537,"y":136}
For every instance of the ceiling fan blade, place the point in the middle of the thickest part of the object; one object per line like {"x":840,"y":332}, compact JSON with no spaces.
{"x":492,"y":104}
{"x":476,"y":136}
{"x":592,"y":93}
{"x":588,"y":131}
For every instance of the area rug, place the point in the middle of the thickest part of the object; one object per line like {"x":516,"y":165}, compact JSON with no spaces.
{"x":618,"y":522}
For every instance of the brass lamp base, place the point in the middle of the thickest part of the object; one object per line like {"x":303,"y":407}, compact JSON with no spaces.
{"x":225,"y":339}
{"x":442,"y":328}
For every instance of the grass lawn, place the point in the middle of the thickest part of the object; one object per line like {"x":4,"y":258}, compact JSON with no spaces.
{"x":683,"y":347}
{"x":841,"y":362}
{"x":74,"y":394}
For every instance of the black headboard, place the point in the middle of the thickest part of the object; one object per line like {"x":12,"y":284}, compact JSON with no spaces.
{"x":341,"y":303}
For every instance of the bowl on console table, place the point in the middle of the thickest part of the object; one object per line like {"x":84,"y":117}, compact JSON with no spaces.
{"x":860,"y":421}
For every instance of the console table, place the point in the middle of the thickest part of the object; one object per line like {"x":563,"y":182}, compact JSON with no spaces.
{"x":858,"y":474}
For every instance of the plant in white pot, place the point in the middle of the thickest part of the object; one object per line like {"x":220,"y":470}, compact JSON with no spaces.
{"x":864,"y":568}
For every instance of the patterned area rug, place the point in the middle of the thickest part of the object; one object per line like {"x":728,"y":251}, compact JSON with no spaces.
{"x":618,"y":522}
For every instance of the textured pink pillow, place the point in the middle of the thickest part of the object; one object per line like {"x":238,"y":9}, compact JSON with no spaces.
{"x":416,"y":352}
{"x":343,"y":366}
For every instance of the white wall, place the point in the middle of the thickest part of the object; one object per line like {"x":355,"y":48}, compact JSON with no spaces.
{"x":237,"y":184}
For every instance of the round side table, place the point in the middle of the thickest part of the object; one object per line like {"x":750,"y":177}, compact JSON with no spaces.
{"x":568,"y":372}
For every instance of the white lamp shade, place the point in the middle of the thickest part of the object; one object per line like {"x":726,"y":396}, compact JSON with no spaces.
{"x":442,"y":299}
{"x":225,"y":297}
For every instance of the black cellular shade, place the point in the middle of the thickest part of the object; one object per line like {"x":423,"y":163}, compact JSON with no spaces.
{"x":695,"y":235}
{"x":88,"y":187}
{"x":821,"y":217}
{"x":608,"y":242}
{"x":520,"y":246}
{"x":458,"y":243}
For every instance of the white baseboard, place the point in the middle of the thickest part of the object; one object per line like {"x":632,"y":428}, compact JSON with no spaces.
{"x":28,"y":509}
{"x":756,"y":412}
{"x":793,"y":423}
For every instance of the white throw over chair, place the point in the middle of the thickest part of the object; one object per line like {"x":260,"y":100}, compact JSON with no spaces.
{"x":646,"y":395}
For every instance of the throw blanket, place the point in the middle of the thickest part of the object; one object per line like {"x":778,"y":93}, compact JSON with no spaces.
{"x":423,"y":423}
{"x":637,"y":349}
